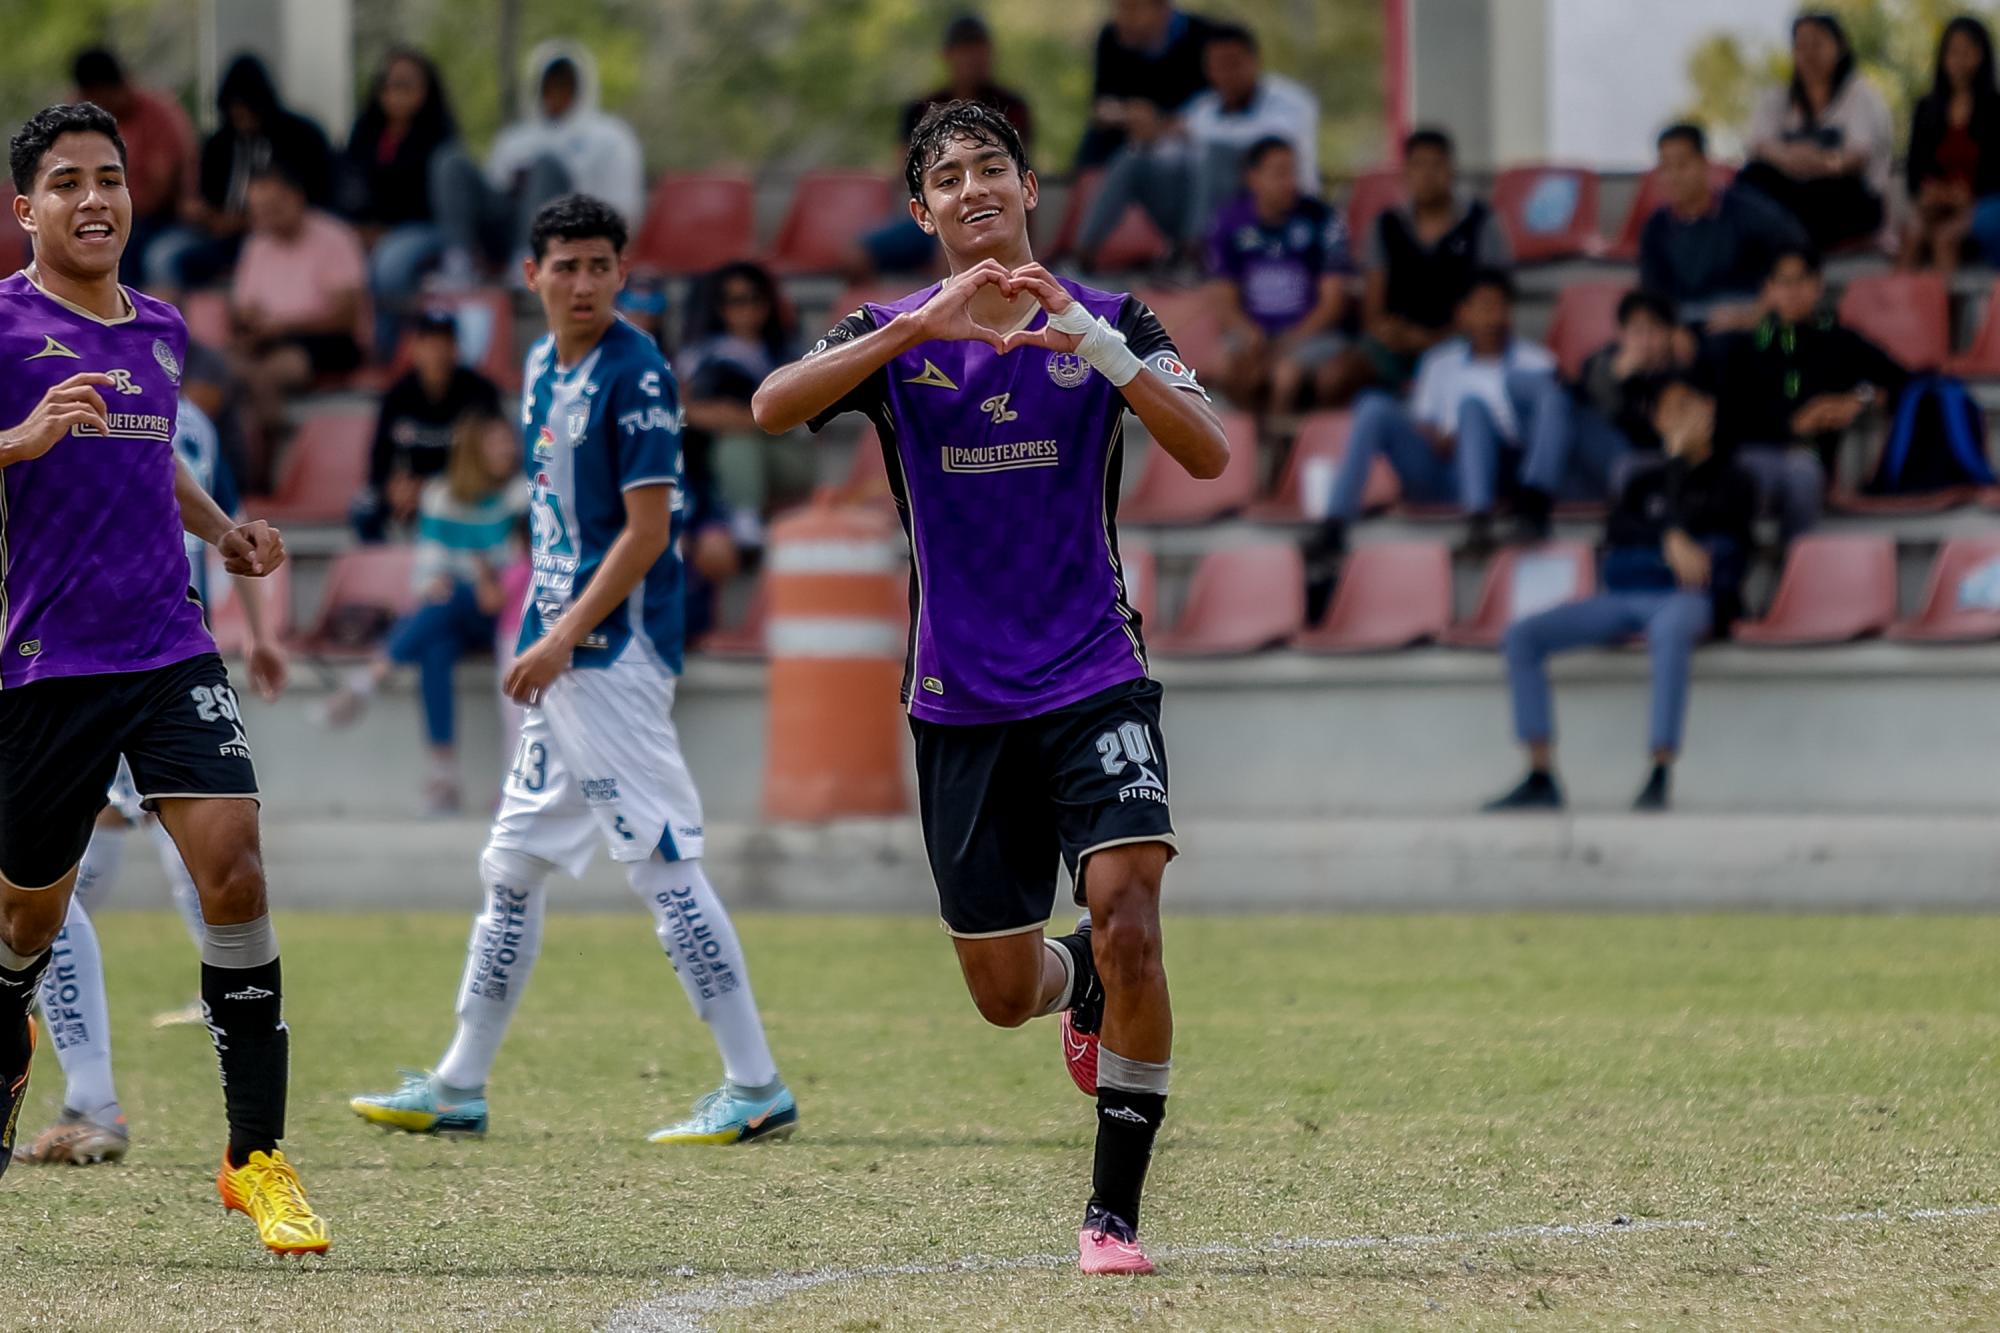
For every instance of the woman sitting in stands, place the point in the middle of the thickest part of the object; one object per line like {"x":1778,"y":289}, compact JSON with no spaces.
{"x":1954,"y":161}
{"x":466,"y":534}
{"x":1822,"y":145}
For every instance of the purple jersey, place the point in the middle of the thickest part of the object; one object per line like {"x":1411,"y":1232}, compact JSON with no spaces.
{"x":93,"y":573}
{"x":1006,"y":471}
{"x":1277,"y":267}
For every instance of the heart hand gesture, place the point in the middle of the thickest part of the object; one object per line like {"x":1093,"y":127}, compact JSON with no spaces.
{"x":947,"y":317}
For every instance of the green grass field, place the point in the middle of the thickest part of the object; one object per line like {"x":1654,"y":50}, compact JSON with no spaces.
{"x":1406,"y":1087}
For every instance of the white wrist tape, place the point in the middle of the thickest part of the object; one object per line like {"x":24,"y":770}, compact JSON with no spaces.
{"x":1103,"y":347}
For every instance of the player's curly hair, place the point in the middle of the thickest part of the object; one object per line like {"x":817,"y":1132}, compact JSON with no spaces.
{"x":947,"y":121}
{"x":31,"y":143}
{"x":576,"y":217}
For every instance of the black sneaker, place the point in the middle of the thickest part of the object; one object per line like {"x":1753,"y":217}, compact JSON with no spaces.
{"x":1324,"y":554}
{"x":1537,"y":791}
{"x":1085,"y":1014}
{"x":1533,"y":524}
{"x":14,"y":1092}
{"x":1655,"y":796}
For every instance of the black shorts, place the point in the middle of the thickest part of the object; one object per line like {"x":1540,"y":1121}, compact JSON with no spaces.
{"x":60,"y":740}
{"x":1002,"y":800}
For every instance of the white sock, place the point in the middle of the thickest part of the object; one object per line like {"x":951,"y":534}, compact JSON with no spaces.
{"x":102,"y":860}
{"x":180,"y":884}
{"x":506,"y":940}
{"x":74,"y":1007}
{"x":701,"y":944}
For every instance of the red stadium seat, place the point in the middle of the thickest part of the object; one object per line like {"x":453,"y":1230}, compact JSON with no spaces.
{"x":1906,"y":314}
{"x":697,"y":221}
{"x":324,"y":469}
{"x":1982,"y":359}
{"x":1167,"y":494}
{"x":1520,"y":582}
{"x":207,"y":316}
{"x":829,"y":213}
{"x":225,"y":611}
{"x":1390,"y":595}
{"x":745,"y":637}
{"x":1586,"y":319}
{"x":1833,"y":589}
{"x":1548,"y":212}
{"x":15,"y":247}
{"x":1242,"y":599}
{"x":1190,"y":320}
{"x":1142,"y":580}
{"x":1650,"y":199}
{"x":366,"y":586}
{"x":1134,"y":243}
{"x":1375,"y":192}
{"x":1952,"y":612}
{"x":1306,"y":485}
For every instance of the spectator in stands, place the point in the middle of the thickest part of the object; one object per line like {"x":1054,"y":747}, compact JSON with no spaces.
{"x":298,"y":304}
{"x":1449,"y":443}
{"x":738,"y":331}
{"x":258,"y":132}
{"x":1790,"y":386}
{"x":1278,"y":264}
{"x":1148,"y":65}
{"x":385,"y":184}
{"x":160,"y":165}
{"x":1586,"y":434}
{"x":1822,"y":146}
{"x":1183,"y":176}
{"x":900,"y":245}
{"x":564,"y":142}
{"x":1707,"y":250}
{"x":1953,"y":169}
{"x":465,"y":537}
{"x":413,"y":431}
{"x":1675,"y":549}
{"x":1419,"y":260}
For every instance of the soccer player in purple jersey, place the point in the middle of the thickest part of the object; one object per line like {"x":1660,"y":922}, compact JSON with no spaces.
{"x":999,"y":396}
{"x":103,"y":650}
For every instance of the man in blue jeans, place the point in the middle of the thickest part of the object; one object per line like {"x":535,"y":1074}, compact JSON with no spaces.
{"x":1456,"y":437}
{"x":1585,"y":435}
{"x":1675,"y":549}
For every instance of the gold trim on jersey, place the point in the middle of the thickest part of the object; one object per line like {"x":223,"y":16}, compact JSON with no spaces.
{"x":131,"y":306}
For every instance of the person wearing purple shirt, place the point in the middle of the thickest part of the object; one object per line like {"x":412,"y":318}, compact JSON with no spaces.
{"x":999,"y":396}
{"x":103,"y":651}
{"x":1277,"y":264}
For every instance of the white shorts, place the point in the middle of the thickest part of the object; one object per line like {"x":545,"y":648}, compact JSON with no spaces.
{"x":599,"y":757}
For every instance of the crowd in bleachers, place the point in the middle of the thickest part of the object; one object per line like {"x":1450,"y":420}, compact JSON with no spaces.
{"x":1365,"y":349}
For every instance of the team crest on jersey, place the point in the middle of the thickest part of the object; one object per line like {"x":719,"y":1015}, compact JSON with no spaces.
{"x":1068,"y":370}
{"x":168,"y":361}
{"x":577,"y":420}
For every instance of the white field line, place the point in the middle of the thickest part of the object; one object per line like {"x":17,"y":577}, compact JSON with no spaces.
{"x":690,"y":1311}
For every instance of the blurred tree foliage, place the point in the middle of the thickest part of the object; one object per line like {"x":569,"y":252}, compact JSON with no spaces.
{"x":785,"y":83}
{"x":1895,"y":44}
{"x":158,"y":40}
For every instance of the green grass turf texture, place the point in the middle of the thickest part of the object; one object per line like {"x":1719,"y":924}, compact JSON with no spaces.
{"x":1334,"y":1077}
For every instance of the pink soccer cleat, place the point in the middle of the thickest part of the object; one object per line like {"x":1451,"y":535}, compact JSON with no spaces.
{"x":1106,"y":1247}
{"x":1080,"y":1055}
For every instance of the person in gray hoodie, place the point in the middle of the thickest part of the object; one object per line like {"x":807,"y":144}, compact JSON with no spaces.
{"x":562,"y":143}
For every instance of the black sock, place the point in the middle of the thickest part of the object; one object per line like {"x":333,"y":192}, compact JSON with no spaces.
{"x":1126,"y":1124}
{"x":17,"y":996}
{"x":244,"y":1009}
{"x":1086,"y":994}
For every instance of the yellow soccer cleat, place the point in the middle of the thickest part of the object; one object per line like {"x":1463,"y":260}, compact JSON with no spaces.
{"x":267,"y":1190}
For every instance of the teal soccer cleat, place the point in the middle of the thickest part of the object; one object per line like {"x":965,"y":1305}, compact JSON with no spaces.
{"x":721,"y":1119}
{"x":416,"y":1109}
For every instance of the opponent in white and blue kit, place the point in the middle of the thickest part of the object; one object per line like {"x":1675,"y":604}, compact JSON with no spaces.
{"x":92,"y":1127}
{"x":599,"y":656}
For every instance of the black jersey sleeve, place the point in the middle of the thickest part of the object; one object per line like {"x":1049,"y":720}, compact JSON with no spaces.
{"x":1154,"y":346}
{"x":866,"y":397}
